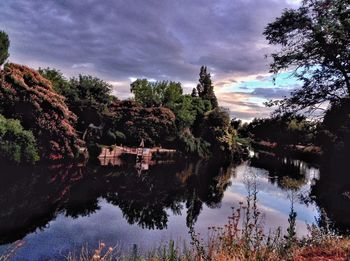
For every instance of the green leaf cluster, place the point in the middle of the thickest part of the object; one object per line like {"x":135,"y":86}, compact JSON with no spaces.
{"x":314,"y":42}
{"x":16,"y":144}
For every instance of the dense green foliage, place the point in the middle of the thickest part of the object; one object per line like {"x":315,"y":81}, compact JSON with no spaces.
{"x":217,"y":130}
{"x":59,"y":83}
{"x":205,"y":88}
{"x":16,"y":144}
{"x":169,"y":94}
{"x":315,"y":42}
{"x":282,"y":129}
{"x":4,"y":47}
{"x":160,"y":115}
{"x":62,"y":112}
{"x":25,"y":95}
{"x":150,"y":94}
{"x":199,"y":130}
{"x":132,"y":123}
{"x":86,"y":96}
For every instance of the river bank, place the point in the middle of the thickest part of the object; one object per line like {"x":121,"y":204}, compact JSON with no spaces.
{"x":308,"y":153}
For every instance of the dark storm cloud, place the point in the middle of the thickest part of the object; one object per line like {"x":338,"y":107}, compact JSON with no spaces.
{"x":118,"y":40}
{"x":137,"y":38}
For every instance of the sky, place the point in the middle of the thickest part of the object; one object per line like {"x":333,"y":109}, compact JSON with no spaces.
{"x":120,"y":41}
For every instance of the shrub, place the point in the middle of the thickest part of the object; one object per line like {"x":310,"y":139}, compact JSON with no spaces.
{"x":16,"y":144}
{"x":25,"y":95}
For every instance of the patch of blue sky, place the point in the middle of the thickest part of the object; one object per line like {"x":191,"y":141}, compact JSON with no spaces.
{"x":284,"y":80}
{"x":257,"y":100}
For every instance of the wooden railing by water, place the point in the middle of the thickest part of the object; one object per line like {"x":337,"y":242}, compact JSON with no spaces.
{"x":110,"y":155}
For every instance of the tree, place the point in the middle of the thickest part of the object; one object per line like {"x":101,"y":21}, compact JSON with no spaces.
{"x":335,"y":135}
{"x":315,"y":43}
{"x":87,"y":96}
{"x":59,"y":83}
{"x":4,"y":47}
{"x":90,"y":90}
{"x":184,"y":112}
{"x":236,"y":123}
{"x":160,"y":93}
{"x":217,"y":130}
{"x":205,"y":89}
{"x":284,"y":129}
{"x":28,"y":97}
{"x":143,"y":92}
{"x":194,"y":92}
{"x":172,"y":93}
{"x":156,"y":126}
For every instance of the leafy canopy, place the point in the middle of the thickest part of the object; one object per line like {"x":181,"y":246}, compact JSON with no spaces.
{"x":90,"y":90}
{"x":315,"y":43}
{"x":157,"y":93}
{"x":59,"y":83}
{"x":87,"y":96}
{"x":4,"y":47}
{"x":205,"y":88}
{"x":81,"y":90}
{"x":27,"y":96}
{"x":284,"y":129}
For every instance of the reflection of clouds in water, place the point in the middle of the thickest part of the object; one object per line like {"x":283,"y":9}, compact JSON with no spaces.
{"x":273,"y":201}
{"x":109,"y":224}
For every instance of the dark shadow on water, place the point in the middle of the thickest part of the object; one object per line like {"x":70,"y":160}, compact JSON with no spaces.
{"x":31,"y":197}
{"x":332,"y":192}
{"x":330,"y":189}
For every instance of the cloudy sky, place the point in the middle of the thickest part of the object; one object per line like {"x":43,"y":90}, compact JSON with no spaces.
{"x":157,"y":39}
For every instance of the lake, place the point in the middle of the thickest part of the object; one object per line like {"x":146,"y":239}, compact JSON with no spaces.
{"x":57,"y":209}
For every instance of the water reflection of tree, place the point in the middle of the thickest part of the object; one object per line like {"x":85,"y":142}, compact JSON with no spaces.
{"x":284,"y":172}
{"x":30,"y":198}
{"x":146,"y":203}
{"x":331,"y":192}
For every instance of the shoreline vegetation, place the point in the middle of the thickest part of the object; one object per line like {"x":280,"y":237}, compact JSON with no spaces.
{"x":67,"y":116}
{"x":308,"y":153}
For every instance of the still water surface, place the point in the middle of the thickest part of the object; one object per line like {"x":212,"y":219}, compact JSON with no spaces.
{"x":57,"y":209}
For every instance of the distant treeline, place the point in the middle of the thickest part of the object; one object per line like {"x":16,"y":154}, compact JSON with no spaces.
{"x":331,"y":133}
{"x":59,"y":116}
